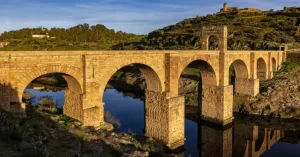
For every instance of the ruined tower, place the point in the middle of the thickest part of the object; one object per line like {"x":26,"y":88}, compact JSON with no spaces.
{"x":225,"y":6}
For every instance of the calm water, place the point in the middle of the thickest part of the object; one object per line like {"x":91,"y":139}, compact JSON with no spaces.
{"x":211,"y":141}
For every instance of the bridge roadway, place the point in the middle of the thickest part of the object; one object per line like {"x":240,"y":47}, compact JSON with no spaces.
{"x":88,"y":72}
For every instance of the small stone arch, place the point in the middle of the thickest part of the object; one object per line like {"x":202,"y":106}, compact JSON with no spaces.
{"x":274,"y":65}
{"x":240,"y":68}
{"x":261,"y":69}
{"x":153,"y":81}
{"x":240,"y":75}
{"x":220,"y":32}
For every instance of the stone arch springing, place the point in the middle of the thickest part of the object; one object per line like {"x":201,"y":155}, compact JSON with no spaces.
{"x":261,"y":69}
{"x":153,"y":81}
{"x":220,"y":32}
{"x":239,"y":74}
{"x":274,"y":65}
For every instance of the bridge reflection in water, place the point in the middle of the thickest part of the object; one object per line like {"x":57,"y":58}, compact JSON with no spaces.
{"x":237,"y":140}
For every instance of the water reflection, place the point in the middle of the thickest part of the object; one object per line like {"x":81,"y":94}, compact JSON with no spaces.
{"x":37,"y":93}
{"x":202,"y":139}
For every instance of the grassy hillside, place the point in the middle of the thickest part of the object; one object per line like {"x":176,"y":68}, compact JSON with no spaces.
{"x":246,"y":31}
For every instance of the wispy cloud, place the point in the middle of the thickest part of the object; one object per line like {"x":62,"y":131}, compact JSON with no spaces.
{"x":136,"y":16}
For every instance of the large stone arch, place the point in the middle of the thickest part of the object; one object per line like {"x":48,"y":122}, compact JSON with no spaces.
{"x":153,"y":80}
{"x":219,"y":31}
{"x":209,"y":93}
{"x":27,"y":77}
{"x":262,"y":69}
{"x":73,"y":93}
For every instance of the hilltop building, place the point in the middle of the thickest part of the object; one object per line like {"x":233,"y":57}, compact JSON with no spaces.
{"x":228,"y":9}
{"x":3,"y":44}
{"x":294,"y":9}
{"x":236,"y":11}
{"x":40,"y":36}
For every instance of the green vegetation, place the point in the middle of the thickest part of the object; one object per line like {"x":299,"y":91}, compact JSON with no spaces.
{"x":80,"y":37}
{"x":247,"y":31}
{"x":45,"y":132}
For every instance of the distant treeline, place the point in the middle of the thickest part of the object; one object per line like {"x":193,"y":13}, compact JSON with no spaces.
{"x":82,"y":36}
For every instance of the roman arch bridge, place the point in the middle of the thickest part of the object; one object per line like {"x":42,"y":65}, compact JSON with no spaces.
{"x":87,"y":73}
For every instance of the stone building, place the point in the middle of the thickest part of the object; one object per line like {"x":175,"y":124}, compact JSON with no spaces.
{"x":228,"y":9}
{"x":3,"y":44}
{"x":235,"y":10}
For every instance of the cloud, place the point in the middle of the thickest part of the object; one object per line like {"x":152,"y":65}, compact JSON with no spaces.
{"x":134,"y":16}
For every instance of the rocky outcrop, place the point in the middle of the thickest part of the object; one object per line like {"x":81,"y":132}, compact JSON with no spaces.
{"x":279,"y":97}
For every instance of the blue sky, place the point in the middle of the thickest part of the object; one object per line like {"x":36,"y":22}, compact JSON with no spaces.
{"x":133,"y":16}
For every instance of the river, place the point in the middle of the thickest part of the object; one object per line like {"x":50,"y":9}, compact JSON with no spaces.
{"x":201,"y":139}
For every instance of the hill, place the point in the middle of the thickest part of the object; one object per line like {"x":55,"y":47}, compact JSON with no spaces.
{"x":80,"y":37}
{"x":249,"y":29}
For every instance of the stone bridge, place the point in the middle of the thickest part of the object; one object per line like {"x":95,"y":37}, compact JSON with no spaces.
{"x":88,"y":72}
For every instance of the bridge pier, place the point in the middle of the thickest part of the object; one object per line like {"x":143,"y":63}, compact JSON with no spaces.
{"x":165,"y":118}
{"x":247,"y":86}
{"x":93,"y":112}
{"x":217,"y":104}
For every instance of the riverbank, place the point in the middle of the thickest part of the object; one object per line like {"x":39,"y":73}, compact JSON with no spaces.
{"x":279,"y":97}
{"x":45,"y":132}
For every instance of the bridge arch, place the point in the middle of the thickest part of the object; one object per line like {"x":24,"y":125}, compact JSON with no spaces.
{"x":207,"y":73}
{"x":25,"y":78}
{"x":261,"y":69}
{"x":73,"y":92}
{"x":207,"y":89}
{"x":240,"y":68}
{"x":219,"y":31}
{"x":239,"y":74}
{"x":152,"y":77}
{"x":274,"y":65}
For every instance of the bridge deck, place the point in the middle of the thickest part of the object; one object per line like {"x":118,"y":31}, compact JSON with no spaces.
{"x":123,"y":52}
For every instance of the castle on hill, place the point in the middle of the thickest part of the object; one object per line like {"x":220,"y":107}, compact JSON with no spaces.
{"x":288,"y":11}
{"x":235,"y":10}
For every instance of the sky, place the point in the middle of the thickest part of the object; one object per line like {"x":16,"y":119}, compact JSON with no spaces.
{"x":132,"y":16}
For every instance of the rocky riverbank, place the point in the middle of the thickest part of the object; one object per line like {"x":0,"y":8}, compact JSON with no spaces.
{"x":45,"y":132}
{"x":279,"y":97}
